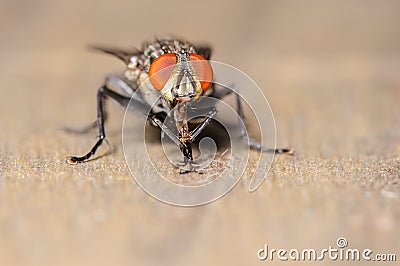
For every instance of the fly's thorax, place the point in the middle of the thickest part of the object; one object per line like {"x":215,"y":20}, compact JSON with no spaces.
{"x":134,"y":69}
{"x":152,"y":50}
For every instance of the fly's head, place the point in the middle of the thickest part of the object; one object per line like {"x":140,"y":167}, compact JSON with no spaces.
{"x":180,"y":76}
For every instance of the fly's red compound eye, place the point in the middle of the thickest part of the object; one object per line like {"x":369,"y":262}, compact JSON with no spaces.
{"x":158,"y":77}
{"x":203,"y":70}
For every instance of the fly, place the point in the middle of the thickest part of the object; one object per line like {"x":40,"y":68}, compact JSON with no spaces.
{"x":189,"y":76}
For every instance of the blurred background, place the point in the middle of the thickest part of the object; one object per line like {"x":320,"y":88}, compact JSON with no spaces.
{"x":329,"y":69}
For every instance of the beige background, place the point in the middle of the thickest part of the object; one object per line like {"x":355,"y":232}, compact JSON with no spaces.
{"x":330,"y":70}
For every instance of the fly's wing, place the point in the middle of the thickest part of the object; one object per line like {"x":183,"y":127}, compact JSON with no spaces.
{"x":121,"y":54}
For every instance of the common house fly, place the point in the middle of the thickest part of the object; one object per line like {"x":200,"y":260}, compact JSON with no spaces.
{"x":188,"y":80}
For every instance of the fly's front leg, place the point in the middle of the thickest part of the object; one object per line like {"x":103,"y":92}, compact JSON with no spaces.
{"x":158,"y":121}
{"x":187,"y":141}
{"x":185,"y":146}
{"x":188,"y":165}
{"x":203,"y":124}
{"x":180,"y":117}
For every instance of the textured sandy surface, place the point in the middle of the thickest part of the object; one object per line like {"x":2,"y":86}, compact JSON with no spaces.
{"x":330,"y":72}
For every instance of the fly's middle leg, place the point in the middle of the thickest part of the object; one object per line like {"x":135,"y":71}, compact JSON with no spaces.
{"x":102,"y":95}
{"x":105,"y":92}
{"x":221,"y":92}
